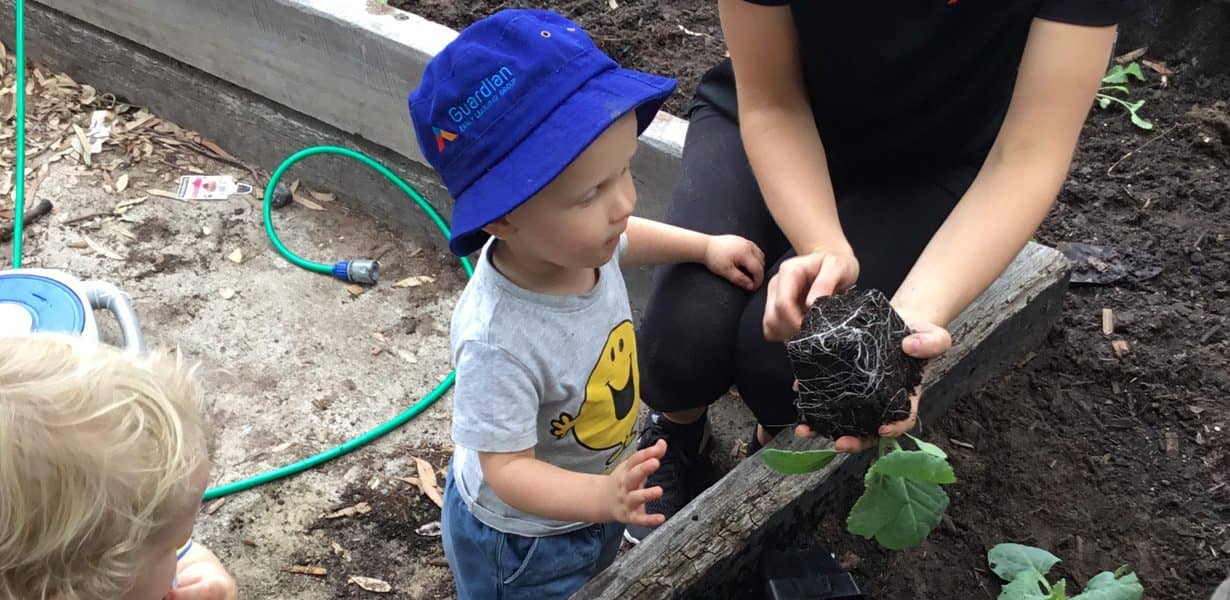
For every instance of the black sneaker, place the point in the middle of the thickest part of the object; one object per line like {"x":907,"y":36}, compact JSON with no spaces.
{"x":684,"y":445}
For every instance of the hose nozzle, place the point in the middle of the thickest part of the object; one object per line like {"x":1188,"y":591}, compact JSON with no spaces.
{"x":362,"y":270}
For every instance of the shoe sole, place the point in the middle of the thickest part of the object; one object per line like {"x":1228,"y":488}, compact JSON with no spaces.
{"x":706,"y":442}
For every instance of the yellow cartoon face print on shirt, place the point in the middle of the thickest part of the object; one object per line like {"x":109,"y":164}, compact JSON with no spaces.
{"x":612,"y":400}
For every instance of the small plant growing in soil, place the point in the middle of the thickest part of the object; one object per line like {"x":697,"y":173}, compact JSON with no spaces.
{"x":1116,"y":81}
{"x":854,"y":377}
{"x":1025,"y":569}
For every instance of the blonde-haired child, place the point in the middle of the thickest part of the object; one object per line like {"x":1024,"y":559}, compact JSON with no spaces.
{"x":103,"y":460}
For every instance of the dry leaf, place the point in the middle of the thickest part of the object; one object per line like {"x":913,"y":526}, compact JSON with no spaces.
{"x":122,"y":231}
{"x":215,"y":505}
{"x":322,"y":196}
{"x":299,"y":199}
{"x":101,"y":249}
{"x":307,"y":570}
{"x":406,"y":356}
{"x":236,"y":256}
{"x":361,"y":508}
{"x":356,"y":290}
{"x":374,"y":482}
{"x":121,"y":182}
{"x":414,"y":281}
{"x":1158,"y":67}
{"x":226,"y":293}
{"x":414,"y":481}
{"x":127,"y":204}
{"x":427,"y":481}
{"x":431,"y":529}
{"x":162,"y":194}
{"x":338,"y":550}
{"x":370,"y":584}
{"x":294,"y":186}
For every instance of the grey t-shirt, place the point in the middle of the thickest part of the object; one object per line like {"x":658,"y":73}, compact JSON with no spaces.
{"x":554,"y":373}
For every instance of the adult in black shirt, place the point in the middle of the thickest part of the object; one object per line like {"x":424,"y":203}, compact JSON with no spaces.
{"x":912,"y":146}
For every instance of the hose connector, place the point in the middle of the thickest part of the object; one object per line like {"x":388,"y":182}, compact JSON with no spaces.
{"x":357,"y":271}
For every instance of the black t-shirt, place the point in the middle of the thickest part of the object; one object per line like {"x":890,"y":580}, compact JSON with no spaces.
{"x":910,"y":84}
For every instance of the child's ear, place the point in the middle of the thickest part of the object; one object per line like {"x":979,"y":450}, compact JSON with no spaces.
{"x":500,"y":228}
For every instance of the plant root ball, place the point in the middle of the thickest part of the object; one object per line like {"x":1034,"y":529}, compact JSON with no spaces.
{"x":853,"y":375}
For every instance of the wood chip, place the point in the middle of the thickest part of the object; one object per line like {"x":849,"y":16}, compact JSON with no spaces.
{"x":960,"y":444}
{"x":162,"y":194}
{"x":1121,"y":347}
{"x":1158,"y":67}
{"x":377,"y":351}
{"x":379,"y":337}
{"x":302,"y":201}
{"x":414,"y":281}
{"x":356,"y":290}
{"x":427,"y":481}
{"x":1128,"y":57}
{"x":371,"y":584}
{"x":1108,"y":321}
{"x":214,"y":506}
{"x":249,"y":542}
{"x":127,"y":204}
{"x":361,"y":508}
{"x":322,"y":196}
{"x":612,"y":4}
{"x":216,"y":149}
{"x":236,"y":256}
{"x":307,"y":570}
{"x":78,"y":245}
{"x":1170,"y":443}
{"x":101,"y":249}
{"x":121,"y":182}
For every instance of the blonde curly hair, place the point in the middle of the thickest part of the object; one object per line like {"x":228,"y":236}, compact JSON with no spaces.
{"x":97,"y":451}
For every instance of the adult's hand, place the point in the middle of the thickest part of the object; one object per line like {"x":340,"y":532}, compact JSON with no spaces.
{"x":798,"y":282}
{"x":927,"y":342}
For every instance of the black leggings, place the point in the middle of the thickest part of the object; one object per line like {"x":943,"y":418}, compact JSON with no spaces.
{"x":700,"y":335}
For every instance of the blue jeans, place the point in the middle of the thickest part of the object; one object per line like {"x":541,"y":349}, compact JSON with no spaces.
{"x":492,"y":565}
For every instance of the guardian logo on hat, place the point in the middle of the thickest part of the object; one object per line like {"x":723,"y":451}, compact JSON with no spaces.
{"x":510,"y":103}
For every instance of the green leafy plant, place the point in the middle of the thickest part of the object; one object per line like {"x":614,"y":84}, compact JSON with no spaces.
{"x":1025,"y":569}
{"x":903,"y":500}
{"x":1116,"y":81}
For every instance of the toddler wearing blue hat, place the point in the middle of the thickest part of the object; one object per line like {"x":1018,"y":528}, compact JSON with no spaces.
{"x":532,"y":129}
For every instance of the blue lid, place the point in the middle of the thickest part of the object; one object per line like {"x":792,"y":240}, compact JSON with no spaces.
{"x":53,"y":306}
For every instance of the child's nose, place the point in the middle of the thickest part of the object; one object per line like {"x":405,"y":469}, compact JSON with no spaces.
{"x":625,"y":203}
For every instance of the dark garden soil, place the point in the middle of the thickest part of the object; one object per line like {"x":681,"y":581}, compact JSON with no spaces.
{"x":1103,"y":457}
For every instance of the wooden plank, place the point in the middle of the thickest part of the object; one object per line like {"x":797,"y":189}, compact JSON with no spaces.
{"x":710,"y":548}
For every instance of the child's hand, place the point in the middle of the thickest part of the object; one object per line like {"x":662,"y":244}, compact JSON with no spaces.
{"x":737,"y":259}
{"x":625,"y":498}
{"x":202,"y":577}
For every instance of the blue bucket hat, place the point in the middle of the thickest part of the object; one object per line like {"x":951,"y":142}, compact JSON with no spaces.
{"x":510,"y":103}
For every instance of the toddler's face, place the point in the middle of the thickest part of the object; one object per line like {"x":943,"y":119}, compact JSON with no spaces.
{"x":155,"y":580}
{"x":577,"y":219}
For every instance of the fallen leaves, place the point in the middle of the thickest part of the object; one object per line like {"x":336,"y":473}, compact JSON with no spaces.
{"x":361,"y":508}
{"x":371,"y":584}
{"x":414,"y":281}
{"x":121,"y":183}
{"x":427,"y":481}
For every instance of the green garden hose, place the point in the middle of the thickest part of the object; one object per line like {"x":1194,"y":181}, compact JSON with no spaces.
{"x":362,"y":271}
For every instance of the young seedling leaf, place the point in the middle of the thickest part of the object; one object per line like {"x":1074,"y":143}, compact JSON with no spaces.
{"x":1009,"y":559}
{"x":1027,"y":585}
{"x":915,"y":464}
{"x":1059,"y":591}
{"x":1123,"y":89}
{"x":1133,"y":70}
{"x":928,"y":447}
{"x":1103,"y":101}
{"x":897,"y":512}
{"x":790,"y":462}
{"x":1116,"y":74}
{"x":1120,"y":585}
